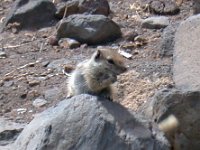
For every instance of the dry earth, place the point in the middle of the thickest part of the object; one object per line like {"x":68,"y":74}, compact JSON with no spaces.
{"x":24,"y":75}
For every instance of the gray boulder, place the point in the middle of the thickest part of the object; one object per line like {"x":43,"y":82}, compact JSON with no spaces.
{"x":31,"y":14}
{"x":90,"y":29}
{"x":85,"y":122}
{"x":155,"y":22}
{"x":186,"y":55}
{"x":185,"y":106}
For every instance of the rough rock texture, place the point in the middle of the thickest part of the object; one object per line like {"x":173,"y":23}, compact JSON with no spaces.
{"x":186,"y":107}
{"x":167,"y":42}
{"x":186,"y":55}
{"x":83,"y":6}
{"x":9,"y":131}
{"x":155,"y":22}
{"x":90,"y":29}
{"x":31,"y":14}
{"x":70,"y":6}
{"x":162,"y":7}
{"x":53,"y":94}
{"x":87,"y":123}
{"x":196,"y":6}
{"x":94,"y":7}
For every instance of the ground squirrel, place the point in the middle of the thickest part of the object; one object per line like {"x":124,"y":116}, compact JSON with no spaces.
{"x":95,"y":75}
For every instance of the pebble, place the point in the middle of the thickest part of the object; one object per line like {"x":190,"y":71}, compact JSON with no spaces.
{"x":8,"y":83}
{"x":69,"y":43}
{"x":155,"y":22}
{"x":21,"y":110}
{"x":39,"y":102}
{"x":33,"y":83}
{"x":3,"y":54}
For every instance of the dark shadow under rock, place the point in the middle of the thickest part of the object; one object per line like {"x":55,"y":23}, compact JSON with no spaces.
{"x":86,"y":123}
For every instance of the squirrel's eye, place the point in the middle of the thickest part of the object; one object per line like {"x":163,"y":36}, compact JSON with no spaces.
{"x":110,"y":61}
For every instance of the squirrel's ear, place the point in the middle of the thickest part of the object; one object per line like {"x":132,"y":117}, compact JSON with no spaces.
{"x":97,"y":54}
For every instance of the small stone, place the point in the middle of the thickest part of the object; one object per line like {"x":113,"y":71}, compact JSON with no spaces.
{"x":155,"y":22}
{"x":53,"y":41}
{"x":33,"y":83}
{"x":1,"y":83}
{"x":23,"y":95}
{"x":8,"y":83}
{"x":3,"y":54}
{"x":39,"y":102}
{"x":30,"y":111}
{"x":21,"y":110}
{"x":45,"y":63}
{"x":68,"y":43}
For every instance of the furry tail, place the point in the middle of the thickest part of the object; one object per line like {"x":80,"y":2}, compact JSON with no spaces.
{"x":169,"y":124}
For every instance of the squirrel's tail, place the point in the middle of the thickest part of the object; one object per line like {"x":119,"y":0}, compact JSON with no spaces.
{"x":169,"y":124}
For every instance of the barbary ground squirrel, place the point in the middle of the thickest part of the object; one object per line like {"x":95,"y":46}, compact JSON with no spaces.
{"x":95,"y":75}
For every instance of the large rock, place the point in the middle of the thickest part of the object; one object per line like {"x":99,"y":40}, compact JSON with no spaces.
{"x":31,"y":14}
{"x":186,"y":55}
{"x":90,"y":29}
{"x":87,"y":123}
{"x":185,"y":106}
{"x":83,"y":6}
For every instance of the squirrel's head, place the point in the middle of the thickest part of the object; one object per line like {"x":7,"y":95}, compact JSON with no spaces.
{"x":110,"y":60}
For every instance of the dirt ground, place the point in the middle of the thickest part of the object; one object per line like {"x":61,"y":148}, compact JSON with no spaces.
{"x":24,"y":75}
